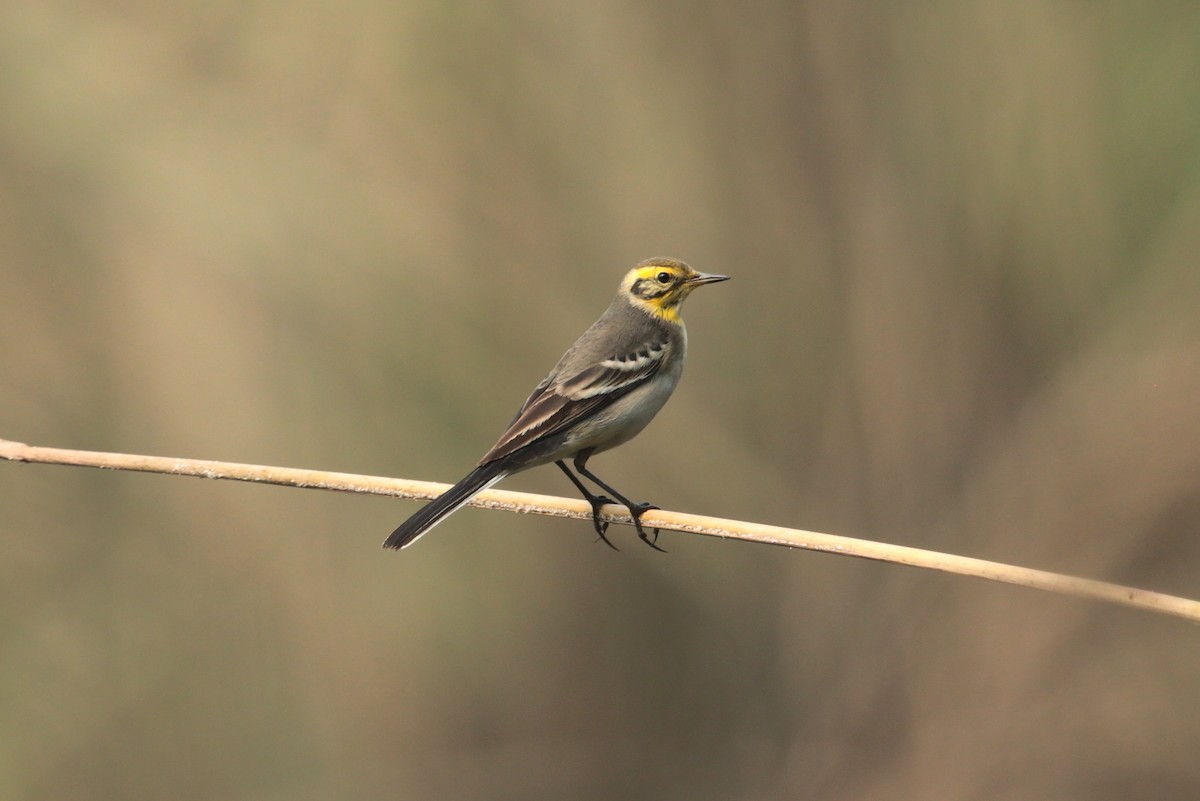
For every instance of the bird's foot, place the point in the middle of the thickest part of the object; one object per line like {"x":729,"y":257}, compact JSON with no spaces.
{"x":636,"y":511}
{"x":601,"y":526}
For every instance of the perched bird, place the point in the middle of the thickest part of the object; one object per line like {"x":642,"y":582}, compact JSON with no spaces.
{"x":602,"y":393}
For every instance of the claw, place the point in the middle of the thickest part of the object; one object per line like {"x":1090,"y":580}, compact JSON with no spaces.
{"x":636,"y":511}
{"x":601,"y":526}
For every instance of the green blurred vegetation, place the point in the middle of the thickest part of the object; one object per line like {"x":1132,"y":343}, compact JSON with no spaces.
{"x":353,"y":235}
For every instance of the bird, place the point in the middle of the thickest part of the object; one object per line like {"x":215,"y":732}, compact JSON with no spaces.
{"x":604,"y":390}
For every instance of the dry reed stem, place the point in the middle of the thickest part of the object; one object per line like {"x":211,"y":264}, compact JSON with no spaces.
{"x":526,"y":503}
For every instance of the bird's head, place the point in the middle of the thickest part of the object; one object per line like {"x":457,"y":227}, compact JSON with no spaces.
{"x":658,"y":286}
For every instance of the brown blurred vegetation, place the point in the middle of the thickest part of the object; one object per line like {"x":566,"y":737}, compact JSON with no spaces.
{"x":353,"y":235}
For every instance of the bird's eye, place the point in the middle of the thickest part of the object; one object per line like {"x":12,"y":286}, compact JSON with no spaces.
{"x":664,"y":278}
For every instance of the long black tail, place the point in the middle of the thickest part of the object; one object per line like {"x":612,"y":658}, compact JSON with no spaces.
{"x":444,"y":505}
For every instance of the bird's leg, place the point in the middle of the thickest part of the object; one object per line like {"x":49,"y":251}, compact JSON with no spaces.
{"x":595,"y":500}
{"x":636,"y":510}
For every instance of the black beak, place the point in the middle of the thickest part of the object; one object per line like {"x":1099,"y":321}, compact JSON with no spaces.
{"x":699,"y":279}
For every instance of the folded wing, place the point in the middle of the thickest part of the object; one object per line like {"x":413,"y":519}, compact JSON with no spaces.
{"x":562,"y":400}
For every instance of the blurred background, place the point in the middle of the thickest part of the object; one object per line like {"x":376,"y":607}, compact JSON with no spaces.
{"x":353,"y":236}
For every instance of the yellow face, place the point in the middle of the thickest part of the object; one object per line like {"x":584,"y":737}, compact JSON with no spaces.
{"x":660,"y":285}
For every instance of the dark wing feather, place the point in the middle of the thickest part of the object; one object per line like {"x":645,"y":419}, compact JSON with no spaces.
{"x":559,"y":402}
